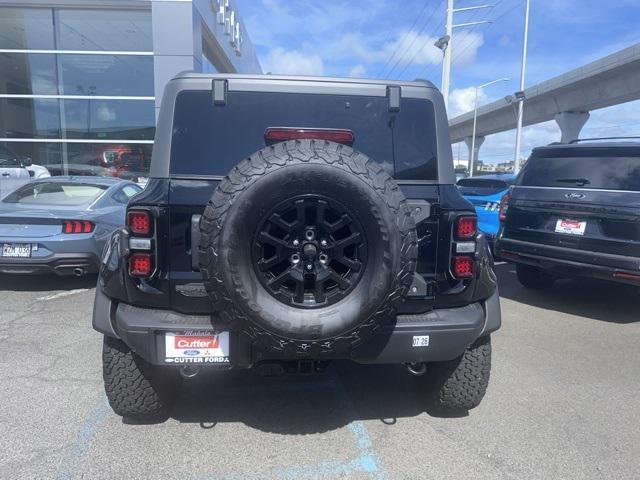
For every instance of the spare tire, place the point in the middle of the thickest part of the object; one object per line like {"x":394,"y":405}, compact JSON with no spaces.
{"x":310,"y":244}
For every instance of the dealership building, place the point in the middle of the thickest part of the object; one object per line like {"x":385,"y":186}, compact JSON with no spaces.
{"x":81,"y":81}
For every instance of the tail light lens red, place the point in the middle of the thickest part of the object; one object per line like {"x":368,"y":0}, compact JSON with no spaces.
{"x":139,"y":222}
{"x":275,"y":135}
{"x":465,"y":228}
{"x":462,"y":267}
{"x":140,"y":264}
{"x":77,"y":226}
{"x":504,"y":206}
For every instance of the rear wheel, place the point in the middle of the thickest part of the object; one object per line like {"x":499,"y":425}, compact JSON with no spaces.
{"x":460,"y":384}
{"x":135,"y":388}
{"x":534,"y":278}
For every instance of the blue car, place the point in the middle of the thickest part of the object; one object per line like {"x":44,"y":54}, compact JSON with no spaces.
{"x":485,"y":193}
{"x":60,"y":224}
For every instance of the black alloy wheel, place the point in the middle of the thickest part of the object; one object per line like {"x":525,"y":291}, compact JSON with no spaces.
{"x":309,"y":251}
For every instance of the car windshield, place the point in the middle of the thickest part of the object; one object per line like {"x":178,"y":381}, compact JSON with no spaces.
{"x":56,"y":193}
{"x":603,"y":168}
{"x":482,"y":186}
{"x":403,"y":142}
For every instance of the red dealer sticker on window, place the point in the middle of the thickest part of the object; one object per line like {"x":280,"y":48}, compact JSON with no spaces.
{"x":196,"y":347}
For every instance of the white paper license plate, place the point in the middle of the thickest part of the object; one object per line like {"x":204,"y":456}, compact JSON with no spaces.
{"x":421,"y":340}
{"x":571,"y":227}
{"x":16,"y":250}
{"x":196,"y":347}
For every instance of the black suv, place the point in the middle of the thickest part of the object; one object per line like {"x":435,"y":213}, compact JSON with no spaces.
{"x":574,"y":211}
{"x":290,"y":221}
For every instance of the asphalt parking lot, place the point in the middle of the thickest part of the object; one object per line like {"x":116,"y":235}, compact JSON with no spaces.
{"x":563,"y":402}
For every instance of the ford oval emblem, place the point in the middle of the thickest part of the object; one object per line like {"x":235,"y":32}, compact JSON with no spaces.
{"x":192,"y":353}
{"x":574,"y":195}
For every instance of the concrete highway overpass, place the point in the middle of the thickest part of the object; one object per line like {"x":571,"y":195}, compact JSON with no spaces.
{"x":567,"y":99}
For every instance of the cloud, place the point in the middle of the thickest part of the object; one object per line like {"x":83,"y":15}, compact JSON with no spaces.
{"x":357,"y":71}
{"x":294,"y":62}
{"x":106,"y":113}
{"x":412,"y":47}
{"x":465,"y":48}
{"x":461,"y":100}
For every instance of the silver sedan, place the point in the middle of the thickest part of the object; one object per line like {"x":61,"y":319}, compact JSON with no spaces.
{"x":60,"y":224}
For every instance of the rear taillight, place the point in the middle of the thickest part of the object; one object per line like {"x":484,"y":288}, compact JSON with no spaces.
{"x":504,"y":206}
{"x":465,"y":227}
{"x":139,"y":222}
{"x":280,"y":134}
{"x":140,"y":264}
{"x":462,"y":267}
{"x":77,"y":226}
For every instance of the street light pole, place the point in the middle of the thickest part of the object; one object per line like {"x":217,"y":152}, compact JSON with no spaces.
{"x":446,"y":41}
{"x":516,"y":165}
{"x":446,"y":61}
{"x":475,"y":118}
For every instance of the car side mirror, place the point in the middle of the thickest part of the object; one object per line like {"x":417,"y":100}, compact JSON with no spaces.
{"x":26,"y":162}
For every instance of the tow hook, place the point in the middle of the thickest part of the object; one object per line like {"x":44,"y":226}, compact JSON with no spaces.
{"x":189,"y":371}
{"x":416,"y":369}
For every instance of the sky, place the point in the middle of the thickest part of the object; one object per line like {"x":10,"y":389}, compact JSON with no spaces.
{"x":394,"y":39}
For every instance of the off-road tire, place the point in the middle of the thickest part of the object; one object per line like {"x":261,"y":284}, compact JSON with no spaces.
{"x":136,"y":389}
{"x":232,"y":298}
{"x":460,"y":384}
{"x":534,"y":278}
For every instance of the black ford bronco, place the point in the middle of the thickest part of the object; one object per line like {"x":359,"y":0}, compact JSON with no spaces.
{"x":290,"y":221}
{"x":574,"y":211}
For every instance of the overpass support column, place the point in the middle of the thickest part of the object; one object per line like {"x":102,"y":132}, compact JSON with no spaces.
{"x":570,"y":124}
{"x":470,"y":144}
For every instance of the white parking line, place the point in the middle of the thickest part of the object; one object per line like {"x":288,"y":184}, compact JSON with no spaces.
{"x":64,"y":294}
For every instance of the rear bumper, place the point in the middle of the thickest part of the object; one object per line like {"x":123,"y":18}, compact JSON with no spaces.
{"x":450,"y":332}
{"x":57,"y":263}
{"x":570,"y":262}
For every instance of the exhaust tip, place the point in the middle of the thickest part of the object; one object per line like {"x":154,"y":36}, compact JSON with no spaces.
{"x":189,"y":371}
{"x":417,"y":369}
{"x":78,"y":272}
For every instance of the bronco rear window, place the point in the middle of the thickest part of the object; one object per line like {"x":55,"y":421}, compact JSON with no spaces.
{"x":605,"y":168}
{"x":210,"y":140}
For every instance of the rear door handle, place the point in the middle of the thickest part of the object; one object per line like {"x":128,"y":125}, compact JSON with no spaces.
{"x":6,"y":174}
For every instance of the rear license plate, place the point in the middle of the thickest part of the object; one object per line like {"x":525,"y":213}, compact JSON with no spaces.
{"x":196,"y":347}
{"x":16,"y":250}
{"x":571,"y":227}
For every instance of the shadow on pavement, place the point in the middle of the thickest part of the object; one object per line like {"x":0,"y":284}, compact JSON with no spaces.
{"x":299,"y":405}
{"x":585,"y":297}
{"x":42,"y":283}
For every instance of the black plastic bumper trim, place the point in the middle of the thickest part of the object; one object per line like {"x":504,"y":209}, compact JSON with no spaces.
{"x":450,"y":332}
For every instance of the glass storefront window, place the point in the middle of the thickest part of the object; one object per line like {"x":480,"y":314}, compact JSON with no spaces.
{"x":104,"y":119}
{"x":106,"y":75}
{"x":29,"y":118}
{"x":48,"y":155}
{"x":130,"y":161}
{"x":26,"y":28}
{"x":116,"y":30}
{"x":26,"y":73}
{"x":110,"y":125}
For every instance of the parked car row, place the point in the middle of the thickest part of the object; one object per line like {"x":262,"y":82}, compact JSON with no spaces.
{"x":574,"y":210}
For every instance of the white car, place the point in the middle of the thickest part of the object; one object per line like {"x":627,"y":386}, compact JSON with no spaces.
{"x":38,"y":171}
{"x":13,"y":171}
